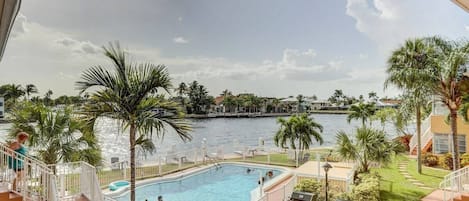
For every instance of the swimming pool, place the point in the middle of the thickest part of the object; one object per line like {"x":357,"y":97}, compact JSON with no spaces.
{"x":231,"y":182}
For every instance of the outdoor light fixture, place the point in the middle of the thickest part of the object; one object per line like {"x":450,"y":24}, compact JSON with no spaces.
{"x":327,"y":167}
{"x":8,"y":11}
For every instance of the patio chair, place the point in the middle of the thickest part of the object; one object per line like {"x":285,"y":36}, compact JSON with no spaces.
{"x":301,"y":196}
{"x":305,"y":158}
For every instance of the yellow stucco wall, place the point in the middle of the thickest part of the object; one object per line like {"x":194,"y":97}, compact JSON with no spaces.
{"x":440,"y":125}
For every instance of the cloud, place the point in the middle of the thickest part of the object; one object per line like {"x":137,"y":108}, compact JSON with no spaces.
{"x":20,"y":25}
{"x":180,"y":40}
{"x":388,"y":23}
{"x":295,"y":65}
{"x":180,"y":19}
{"x":466,"y":28}
{"x":79,"y":46}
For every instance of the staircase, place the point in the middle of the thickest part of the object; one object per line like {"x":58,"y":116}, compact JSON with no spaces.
{"x":36,"y":183}
{"x":426,"y":138}
{"x":10,"y":196}
{"x":46,"y":182}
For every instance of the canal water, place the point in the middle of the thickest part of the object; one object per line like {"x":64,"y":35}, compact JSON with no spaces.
{"x":218,"y":132}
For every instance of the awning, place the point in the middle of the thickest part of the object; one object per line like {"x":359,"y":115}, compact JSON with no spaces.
{"x":8,"y":11}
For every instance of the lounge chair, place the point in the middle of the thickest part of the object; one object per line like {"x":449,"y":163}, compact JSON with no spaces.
{"x":305,"y":158}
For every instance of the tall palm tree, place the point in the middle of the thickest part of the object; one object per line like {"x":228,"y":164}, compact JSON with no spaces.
{"x":411,"y":68}
{"x":301,"y":99}
{"x":298,"y":130}
{"x":57,"y":136}
{"x":369,"y":146}
{"x":30,"y":89}
{"x":129,"y":95}
{"x":453,"y":82}
{"x":362,"y":111}
{"x":181,"y":90}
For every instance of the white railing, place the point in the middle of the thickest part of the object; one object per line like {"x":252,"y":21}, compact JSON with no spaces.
{"x":77,"y":178}
{"x":282,"y":193}
{"x":427,"y":134}
{"x":455,"y":183}
{"x":27,"y":176}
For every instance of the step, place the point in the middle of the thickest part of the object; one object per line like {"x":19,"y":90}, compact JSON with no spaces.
{"x":10,"y":196}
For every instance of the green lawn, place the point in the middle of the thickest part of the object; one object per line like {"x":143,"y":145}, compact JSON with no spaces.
{"x":395,"y":187}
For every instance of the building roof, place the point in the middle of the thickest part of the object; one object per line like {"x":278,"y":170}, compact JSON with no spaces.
{"x":219,"y":100}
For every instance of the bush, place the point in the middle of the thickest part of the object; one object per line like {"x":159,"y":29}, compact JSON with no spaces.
{"x":446,"y":161}
{"x":430,"y":160}
{"x":404,"y":140}
{"x":309,"y":186}
{"x":367,"y":189}
{"x":464,"y":159}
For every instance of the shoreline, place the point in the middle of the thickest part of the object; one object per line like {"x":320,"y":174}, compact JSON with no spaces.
{"x":258,"y":115}
{"x":242,"y":115}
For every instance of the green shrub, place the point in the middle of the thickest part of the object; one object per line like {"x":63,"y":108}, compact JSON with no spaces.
{"x":464,"y":160}
{"x":446,"y":161}
{"x":430,"y":160}
{"x":367,"y":189}
{"x":309,"y":186}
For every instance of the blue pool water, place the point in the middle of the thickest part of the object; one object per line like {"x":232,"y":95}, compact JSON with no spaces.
{"x":228,"y":183}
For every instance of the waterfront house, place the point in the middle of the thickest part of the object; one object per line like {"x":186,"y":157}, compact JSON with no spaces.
{"x":290,"y":103}
{"x":436,"y":132}
{"x":319,"y":104}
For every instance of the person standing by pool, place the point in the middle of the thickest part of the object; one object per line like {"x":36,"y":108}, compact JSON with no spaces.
{"x":15,"y":161}
{"x":160,"y":198}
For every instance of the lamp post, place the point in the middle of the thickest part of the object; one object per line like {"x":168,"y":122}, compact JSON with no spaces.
{"x":327,"y":167}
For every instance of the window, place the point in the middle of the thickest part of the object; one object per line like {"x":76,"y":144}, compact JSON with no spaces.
{"x":1,"y":104}
{"x":441,"y":143}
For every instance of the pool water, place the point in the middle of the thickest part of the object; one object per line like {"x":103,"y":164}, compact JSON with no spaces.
{"x":228,"y":183}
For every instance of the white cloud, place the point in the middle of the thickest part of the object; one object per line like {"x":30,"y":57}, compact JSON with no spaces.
{"x":466,"y":28}
{"x":46,"y":57}
{"x":389,"y":23}
{"x":180,"y":40}
{"x":180,"y":19}
{"x":79,"y":46}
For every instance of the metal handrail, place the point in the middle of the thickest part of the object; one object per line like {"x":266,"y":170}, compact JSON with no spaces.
{"x":454,"y":182}
{"x":38,"y":181}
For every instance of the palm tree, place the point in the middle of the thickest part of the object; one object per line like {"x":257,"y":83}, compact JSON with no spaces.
{"x":453,"y":82}
{"x":229,"y":102}
{"x":30,"y":89}
{"x":47,"y":97}
{"x":411,"y":69}
{"x":11,"y":91}
{"x":129,"y":95}
{"x":298,"y":129}
{"x":369,"y":146}
{"x":362,"y":111}
{"x":301,"y":99}
{"x":57,"y":136}
{"x":181,"y":90}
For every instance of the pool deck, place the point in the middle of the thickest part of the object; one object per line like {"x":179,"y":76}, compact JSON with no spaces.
{"x":314,"y":169}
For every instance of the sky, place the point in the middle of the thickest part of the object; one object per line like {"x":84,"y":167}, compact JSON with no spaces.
{"x":271,"y":48}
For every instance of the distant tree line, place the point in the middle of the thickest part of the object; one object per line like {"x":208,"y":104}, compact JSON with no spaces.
{"x":15,"y":92}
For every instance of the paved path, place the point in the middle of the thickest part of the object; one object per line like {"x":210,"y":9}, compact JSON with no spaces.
{"x":403,"y":170}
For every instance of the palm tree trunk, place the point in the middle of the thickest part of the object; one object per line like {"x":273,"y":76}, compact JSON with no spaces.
{"x":454,"y":132}
{"x":132,"y":162}
{"x":419,"y":143}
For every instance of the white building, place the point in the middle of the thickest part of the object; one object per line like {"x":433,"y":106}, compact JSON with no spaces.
{"x":2,"y":108}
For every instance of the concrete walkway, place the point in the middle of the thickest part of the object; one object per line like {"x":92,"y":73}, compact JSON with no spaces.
{"x":403,"y":170}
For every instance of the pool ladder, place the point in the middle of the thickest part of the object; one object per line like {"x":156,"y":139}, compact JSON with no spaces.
{"x":214,"y":161}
